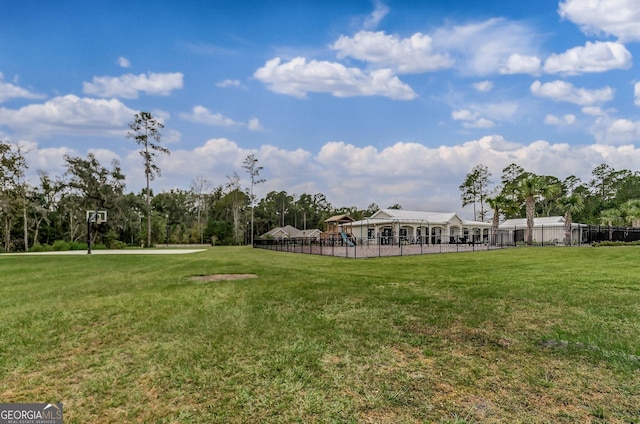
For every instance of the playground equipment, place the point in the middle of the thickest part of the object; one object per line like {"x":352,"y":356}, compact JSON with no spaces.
{"x":347,"y":239}
{"x":338,"y":228}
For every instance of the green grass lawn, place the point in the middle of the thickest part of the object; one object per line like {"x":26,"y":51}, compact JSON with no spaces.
{"x":531,"y":335}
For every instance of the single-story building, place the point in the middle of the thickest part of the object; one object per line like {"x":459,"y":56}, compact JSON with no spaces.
{"x":393,"y":226}
{"x":291,"y":232}
{"x":548,"y":229}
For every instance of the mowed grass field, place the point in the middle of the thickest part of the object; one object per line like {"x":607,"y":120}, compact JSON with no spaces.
{"x":528,"y":335}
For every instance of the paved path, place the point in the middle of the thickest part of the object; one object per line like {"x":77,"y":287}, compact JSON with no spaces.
{"x":111,"y":252}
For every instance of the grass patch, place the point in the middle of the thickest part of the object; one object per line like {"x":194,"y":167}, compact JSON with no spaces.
{"x":520,"y":335}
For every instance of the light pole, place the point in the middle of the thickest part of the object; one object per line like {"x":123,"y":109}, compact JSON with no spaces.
{"x":166,"y":237}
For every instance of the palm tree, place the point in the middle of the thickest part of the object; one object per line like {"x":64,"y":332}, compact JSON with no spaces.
{"x":531,"y":188}
{"x":630,"y":211}
{"x":610,"y":217}
{"x":528,"y":189}
{"x":570,"y":204}
{"x":498,"y":204}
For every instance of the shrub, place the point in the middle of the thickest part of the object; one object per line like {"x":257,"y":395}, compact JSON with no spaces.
{"x":60,"y":245}
{"x":616,"y":243}
{"x":42,"y":248}
{"x":117,"y":244}
{"x":76,"y":245}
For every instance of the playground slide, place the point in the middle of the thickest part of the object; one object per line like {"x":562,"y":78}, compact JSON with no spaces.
{"x":346,"y":239}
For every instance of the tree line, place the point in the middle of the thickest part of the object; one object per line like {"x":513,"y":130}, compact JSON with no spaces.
{"x":55,"y":209}
{"x":610,"y":197}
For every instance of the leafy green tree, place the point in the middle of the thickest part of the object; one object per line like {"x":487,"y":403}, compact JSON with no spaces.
{"x":553,"y":190}
{"x":173,"y":210}
{"x":234,"y":201}
{"x":611,"y":217}
{"x":133,"y":207}
{"x":475,"y":190}
{"x":323,"y":208}
{"x":13,"y":190}
{"x":304,"y":207}
{"x":498,"y":204}
{"x":200,"y":188}
{"x":94,"y":187}
{"x":45,"y":201}
{"x":530,"y":188}
{"x":277,"y":208}
{"x":250,"y":164}
{"x":371,"y":209}
{"x":145,"y":130}
{"x":631,"y":212}
{"x":628,"y":187}
{"x":511,"y":176}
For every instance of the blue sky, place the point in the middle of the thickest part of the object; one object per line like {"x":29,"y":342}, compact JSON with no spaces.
{"x":365,"y":101}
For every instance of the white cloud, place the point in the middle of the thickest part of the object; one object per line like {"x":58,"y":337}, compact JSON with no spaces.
{"x":521,"y":64}
{"x":381,"y":10}
{"x":50,"y":159}
{"x":499,"y":111}
{"x":620,"y":18}
{"x":69,"y":115}
{"x":480,"y":123}
{"x":408,"y":55}
{"x":567,"y":119}
{"x":593,"y":111}
{"x":484,"y":48}
{"x":622,"y":126}
{"x":435,"y":187}
{"x":593,"y":57}
{"x":229,"y":83}
{"x":636,"y":92}
{"x":202,"y":115}
{"x":484,"y":115}
{"x":609,"y":130}
{"x":464,"y":115}
{"x":255,"y":125}
{"x":299,"y":77}
{"x":483,"y":86}
{"x":10,"y":91}
{"x":123,"y":62}
{"x":566,"y":92}
{"x":129,"y":86}
{"x":479,"y":48}
{"x":471,"y":119}
{"x":340,"y":170}
{"x":219,"y":157}
{"x":618,"y":132}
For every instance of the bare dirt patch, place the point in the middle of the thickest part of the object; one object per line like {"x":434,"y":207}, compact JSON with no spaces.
{"x":222,"y":277}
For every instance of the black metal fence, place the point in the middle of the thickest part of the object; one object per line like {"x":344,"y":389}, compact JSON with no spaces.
{"x":600,"y":233}
{"x":363,"y":247}
{"x":355,"y":247}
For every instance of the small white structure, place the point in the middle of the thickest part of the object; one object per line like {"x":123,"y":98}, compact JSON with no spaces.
{"x":291,"y":232}
{"x":548,"y":229}
{"x":394,"y":226}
